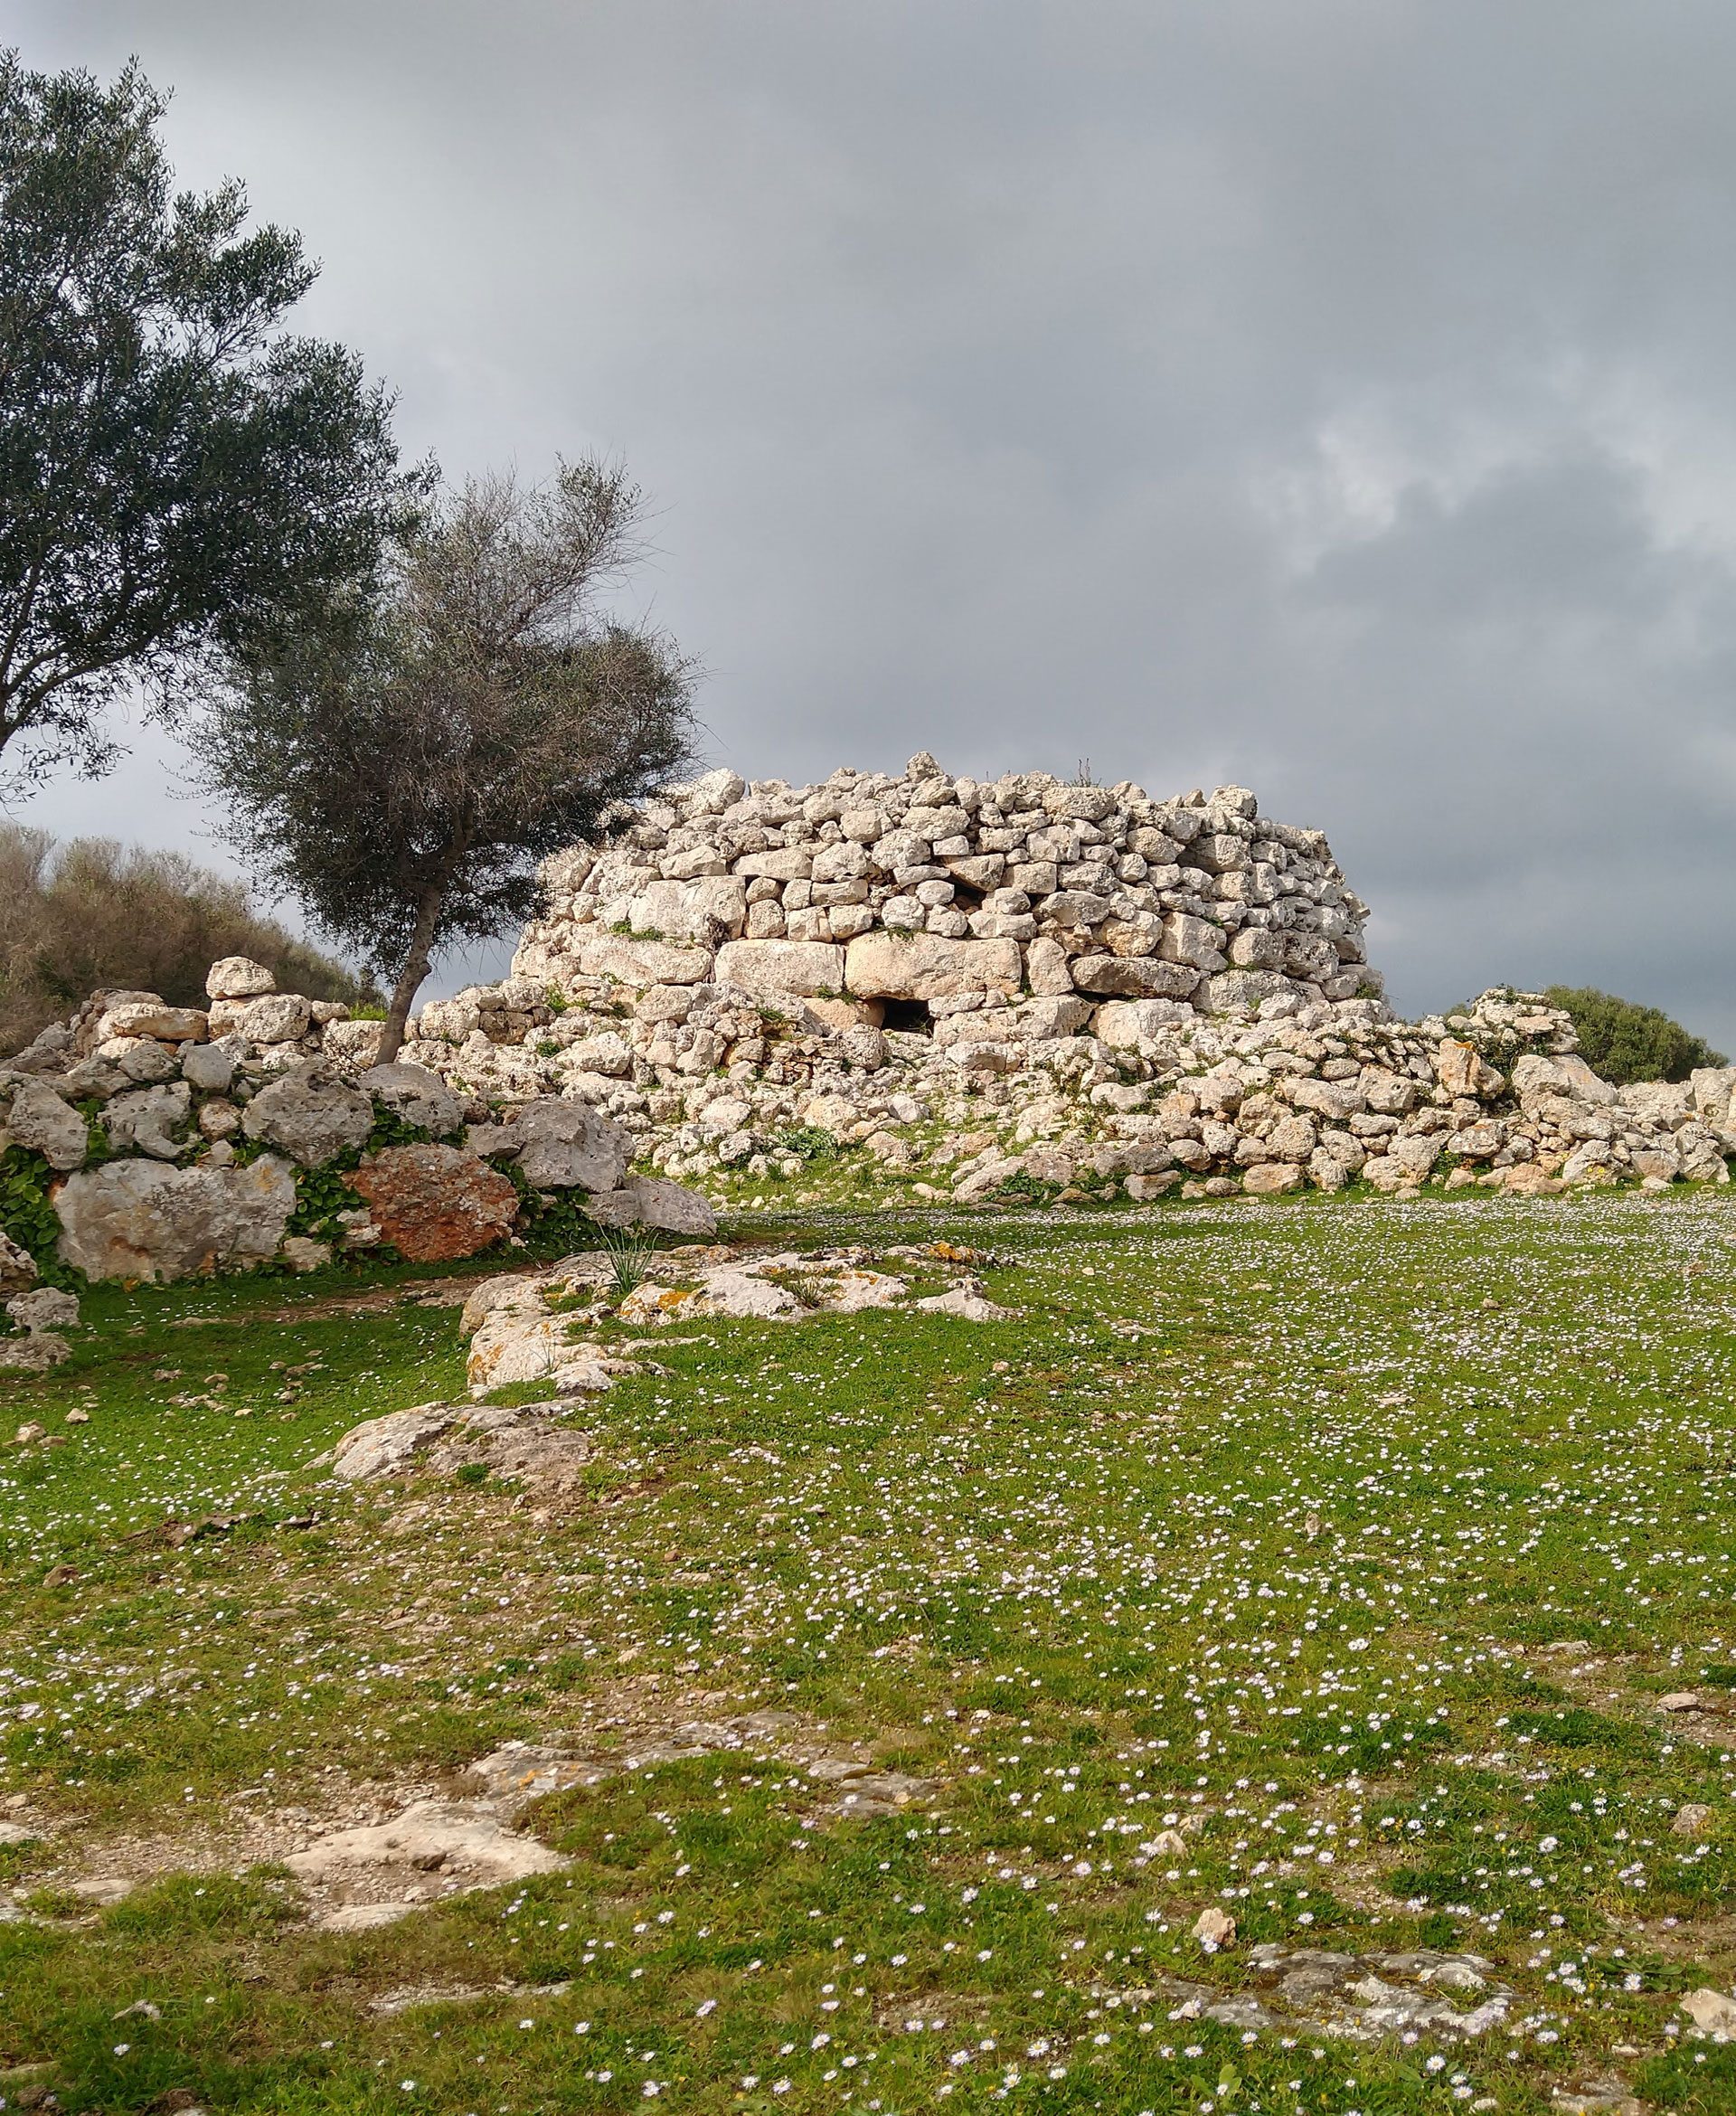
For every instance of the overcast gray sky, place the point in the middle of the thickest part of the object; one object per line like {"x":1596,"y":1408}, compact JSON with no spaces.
{"x":1339,"y":399}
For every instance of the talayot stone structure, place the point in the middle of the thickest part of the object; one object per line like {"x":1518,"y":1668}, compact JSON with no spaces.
{"x":1023,"y":982}
{"x":962,"y":988}
{"x":911,"y":900}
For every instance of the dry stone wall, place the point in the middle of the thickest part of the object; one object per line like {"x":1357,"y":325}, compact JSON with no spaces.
{"x":953,"y":895}
{"x":144,"y":1141}
{"x":928,"y":987}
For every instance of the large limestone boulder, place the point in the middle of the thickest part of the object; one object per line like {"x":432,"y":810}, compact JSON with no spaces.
{"x":277,"y":1017}
{"x":1462,"y":1070}
{"x":780,"y":969}
{"x":42,"y":1122}
{"x":562,"y":1145}
{"x":147,"y":1220}
{"x":145,"y":1120}
{"x":1538,"y":1078}
{"x":926,"y":966}
{"x":1713,"y":1091}
{"x":642,"y":963}
{"x":167,"y":1025}
{"x":238,"y":976}
{"x":434,"y":1203}
{"x":1245,"y":987}
{"x":313,"y":1118}
{"x":708,"y":909}
{"x":1125,"y":1023}
{"x":648,"y":1201}
{"x":412,"y":1092}
{"x":1134,"y":976}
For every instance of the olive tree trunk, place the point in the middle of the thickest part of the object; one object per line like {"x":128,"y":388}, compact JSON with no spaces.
{"x":415,"y":968}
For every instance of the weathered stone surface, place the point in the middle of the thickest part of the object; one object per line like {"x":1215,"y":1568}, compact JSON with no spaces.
{"x":708,"y":909}
{"x":353,"y":1043}
{"x":312,"y":1117}
{"x":147,"y":1220}
{"x":34,"y":1353}
{"x":1244,"y":987}
{"x":421,"y":1098}
{"x":463,"y":1841}
{"x":1337,"y":1098}
{"x":670,"y":1208}
{"x":238,"y":976}
{"x":46,"y":1308}
{"x":140,"y":1058}
{"x":562,"y":1145}
{"x":279,"y":1017}
{"x":209,"y":1067}
{"x":1713,"y":2012}
{"x":639,"y":963}
{"x":390,"y":1445}
{"x":1142,"y":976}
{"x":1272,"y":1178}
{"x":1567,"y":1076}
{"x":40,"y":1120}
{"x":17,"y":1266}
{"x":782,"y":968}
{"x":1196,"y":942}
{"x":434,"y":1203}
{"x":1462,"y":1070}
{"x":926,"y":966}
{"x":1125,"y":1023}
{"x":168,"y":1024}
{"x":143,"y":1120}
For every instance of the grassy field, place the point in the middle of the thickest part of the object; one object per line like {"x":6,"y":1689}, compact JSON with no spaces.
{"x":1325,"y":1563}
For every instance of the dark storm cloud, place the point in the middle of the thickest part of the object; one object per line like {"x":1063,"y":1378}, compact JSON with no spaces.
{"x":1334,"y":399}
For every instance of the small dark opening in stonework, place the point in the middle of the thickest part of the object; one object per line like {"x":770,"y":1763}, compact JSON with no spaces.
{"x":910,"y":1015}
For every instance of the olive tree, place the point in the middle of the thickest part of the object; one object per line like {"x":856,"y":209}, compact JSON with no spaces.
{"x":403,"y":760}
{"x":173,"y":467}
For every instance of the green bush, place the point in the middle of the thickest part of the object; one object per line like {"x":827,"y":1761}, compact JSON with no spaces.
{"x":1626,"y":1042}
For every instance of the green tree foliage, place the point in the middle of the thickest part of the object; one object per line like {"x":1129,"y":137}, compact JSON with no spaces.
{"x":173,"y":467}
{"x":1626,"y":1042}
{"x":404,"y":760}
{"x":92,"y":915}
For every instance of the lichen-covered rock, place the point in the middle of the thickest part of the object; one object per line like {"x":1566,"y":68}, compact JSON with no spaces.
{"x":238,"y":976}
{"x":782,"y":968}
{"x":167,"y":1025}
{"x":42,"y":1122}
{"x":927,"y":966}
{"x":566,"y":1146}
{"x":434,"y":1203}
{"x":147,"y":1220}
{"x":421,"y":1098}
{"x":145,"y":1120}
{"x":312,"y":1117}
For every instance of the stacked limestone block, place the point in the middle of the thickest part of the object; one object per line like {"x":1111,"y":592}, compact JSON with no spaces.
{"x":174,"y":1140}
{"x":720,"y":984}
{"x":955,"y":895}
